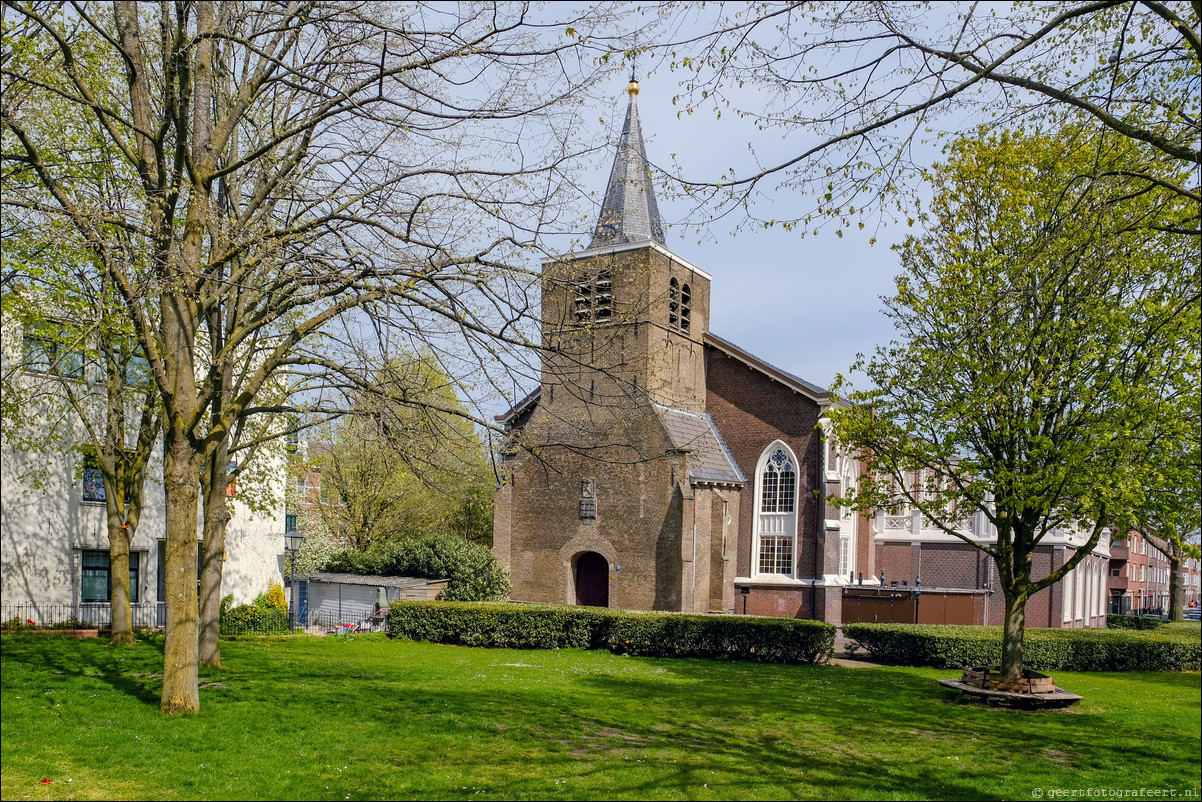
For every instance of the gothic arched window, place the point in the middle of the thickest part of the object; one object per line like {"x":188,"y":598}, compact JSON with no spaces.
{"x":776,"y":511}
{"x":673,"y":302}
{"x":595,"y":298}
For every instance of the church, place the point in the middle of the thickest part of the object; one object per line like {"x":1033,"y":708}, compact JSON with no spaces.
{"x":659,"y":466}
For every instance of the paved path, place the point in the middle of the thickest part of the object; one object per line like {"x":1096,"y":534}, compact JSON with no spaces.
{"x":843,"y":658}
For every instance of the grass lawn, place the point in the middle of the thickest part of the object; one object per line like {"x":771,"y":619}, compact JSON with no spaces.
{"x":326,"y":718}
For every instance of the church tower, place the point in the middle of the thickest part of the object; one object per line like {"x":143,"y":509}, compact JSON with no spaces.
{"x":617,"y":488}
{"x":626,"y":316}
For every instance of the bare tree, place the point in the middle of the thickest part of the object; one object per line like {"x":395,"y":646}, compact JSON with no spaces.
{"x":285,"y":167}
{"x":859,"y":85}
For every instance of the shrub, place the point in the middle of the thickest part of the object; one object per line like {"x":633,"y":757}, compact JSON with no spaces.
{"x":275,"y":596}
{"x":1118,"y":621}
{"x":1043,"y":649}
{"x":777,"y":640}
{"x":254,"y":619}
{"x":473,"y":569}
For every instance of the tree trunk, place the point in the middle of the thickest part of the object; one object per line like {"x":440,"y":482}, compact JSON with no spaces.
{"x":1176,"y":586}
{"x":119,"y":540}
{"x":181,"y":693}
{"x":216,"y":518}
{"x":1012,"y":634}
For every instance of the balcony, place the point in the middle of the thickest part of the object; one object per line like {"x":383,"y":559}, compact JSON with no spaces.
{"x":1119,"y":551}
{"x":1120,"y":582}
{"x":915,"y":524}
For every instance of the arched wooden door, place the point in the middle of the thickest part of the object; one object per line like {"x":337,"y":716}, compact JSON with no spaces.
{"x":592,"y":580}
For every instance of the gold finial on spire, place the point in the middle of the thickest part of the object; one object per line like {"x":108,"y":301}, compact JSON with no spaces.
{"x":632,"y":88}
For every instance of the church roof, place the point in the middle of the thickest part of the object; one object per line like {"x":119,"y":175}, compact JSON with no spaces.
{"x":710,"y":460}
{"x":521,"y":406}
{"x":795,"y":383}
{"x":629,"y":212}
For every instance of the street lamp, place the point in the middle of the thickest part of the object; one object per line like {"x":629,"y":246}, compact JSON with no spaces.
{"x":292,"y":544}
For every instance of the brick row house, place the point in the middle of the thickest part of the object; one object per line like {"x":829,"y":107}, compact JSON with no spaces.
{"x":660,"y":466}
{"x":1139,"y":578}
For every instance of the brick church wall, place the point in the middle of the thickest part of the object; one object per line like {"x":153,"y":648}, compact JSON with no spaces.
{"x":751,"y":411}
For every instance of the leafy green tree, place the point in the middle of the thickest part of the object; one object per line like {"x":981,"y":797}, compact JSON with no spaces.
{"x":1043,"y":332}
{"x":474,"y":571}
{"x":1169,"y":516}
{"x":405,"y":461}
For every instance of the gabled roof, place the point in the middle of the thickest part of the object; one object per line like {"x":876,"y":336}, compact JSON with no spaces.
{"x":630,"y":212}
{"x":521,"y":406}
{"x":710,"y":460}
{"x":795,"y":383}
{"x":374,"y":581}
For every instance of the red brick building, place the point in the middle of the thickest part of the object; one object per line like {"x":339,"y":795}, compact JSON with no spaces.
{"x":660,"y":466}
{"x":1139,"y":578}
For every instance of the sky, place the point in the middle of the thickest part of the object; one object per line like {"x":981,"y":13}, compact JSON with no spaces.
{"x":807,"y":305}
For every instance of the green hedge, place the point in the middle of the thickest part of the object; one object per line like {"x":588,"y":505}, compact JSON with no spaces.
{"x":1176,"y":649}
{"x":250,"y":619}
{"x":1117,"y":621}
{"x":520,"y":626}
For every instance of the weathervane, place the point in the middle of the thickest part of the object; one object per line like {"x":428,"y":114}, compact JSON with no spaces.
{"x":634,"y":60}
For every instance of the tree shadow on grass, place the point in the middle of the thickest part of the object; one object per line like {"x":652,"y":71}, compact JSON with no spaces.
{"x":714,"y":717}
{"x":135,"y":671}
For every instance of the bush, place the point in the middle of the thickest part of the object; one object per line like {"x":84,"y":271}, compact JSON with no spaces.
{"x":1118,"y":621}
{"x":776,"y":640}
{"x":254,"y":619}
{"x":1174,"y":649}
{"x":275,"y":596}
{"x":473,"y":569}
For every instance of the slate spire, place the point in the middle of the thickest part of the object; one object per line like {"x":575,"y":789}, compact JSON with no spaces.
{"x":629,"y":213}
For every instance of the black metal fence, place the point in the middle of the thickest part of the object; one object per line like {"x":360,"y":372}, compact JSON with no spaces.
{"x":153,"y":616}
{"x":323,"y":623}
{"x":77,"y":616}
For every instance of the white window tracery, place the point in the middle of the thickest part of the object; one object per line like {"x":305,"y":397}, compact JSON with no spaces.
{"x":776,"y":506}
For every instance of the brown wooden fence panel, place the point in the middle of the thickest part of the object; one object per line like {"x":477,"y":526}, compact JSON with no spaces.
{"x":892,"y":606}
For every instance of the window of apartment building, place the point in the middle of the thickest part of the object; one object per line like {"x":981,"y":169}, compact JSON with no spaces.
{"x":47,"y":355}
{"x":1067,"y":598}
{"x":92,"y":479}
{"x":1143,"y":573}
{"x":96,"y":581}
